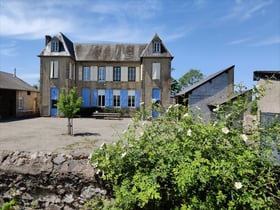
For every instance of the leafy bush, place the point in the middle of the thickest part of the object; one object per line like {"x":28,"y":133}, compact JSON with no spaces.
{"x":180,"y":162}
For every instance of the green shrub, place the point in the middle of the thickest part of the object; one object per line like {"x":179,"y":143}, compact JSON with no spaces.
{"x":180,"y":162}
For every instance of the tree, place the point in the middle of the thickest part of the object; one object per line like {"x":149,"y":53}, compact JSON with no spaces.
{"x":175,"y":86}
{"x":69,"y":105}
{"x":189,"y":78}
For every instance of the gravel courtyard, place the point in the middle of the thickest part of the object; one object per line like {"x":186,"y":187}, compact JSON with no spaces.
{"x":50,"y":134}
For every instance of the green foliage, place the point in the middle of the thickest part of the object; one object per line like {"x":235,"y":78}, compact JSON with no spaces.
{"x":9,"y":205}
{"x":69,"y":104}
{"x":179,"y":162}
{"x":190,"y":78}
{"x":175,"y":86}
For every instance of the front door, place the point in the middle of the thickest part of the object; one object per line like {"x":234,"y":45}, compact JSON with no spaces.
{"x":53,"y":101}
{"x":156,"y":100}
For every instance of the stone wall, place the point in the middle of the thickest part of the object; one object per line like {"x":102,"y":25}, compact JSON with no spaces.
{"x":40,"y":180}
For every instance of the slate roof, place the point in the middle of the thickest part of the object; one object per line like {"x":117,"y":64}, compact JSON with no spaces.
{"x":104,"y":52}
{"x":148,"y":51}
{"x":272,"y":75}
{"x":203,"y":81}
{"x":108,"y":52}
{"x":66,"y":47}
{"x":11,"y":82}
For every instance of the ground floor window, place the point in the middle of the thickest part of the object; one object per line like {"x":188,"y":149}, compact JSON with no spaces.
{"x":101,"y":98}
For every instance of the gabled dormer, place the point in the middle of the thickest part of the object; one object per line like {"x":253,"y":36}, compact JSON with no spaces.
{"x":156,"y":48}
{"x":55,"y":45}
{"x":58,"y":45}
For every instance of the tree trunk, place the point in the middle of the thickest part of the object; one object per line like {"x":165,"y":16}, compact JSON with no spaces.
{"x":70,"y":126}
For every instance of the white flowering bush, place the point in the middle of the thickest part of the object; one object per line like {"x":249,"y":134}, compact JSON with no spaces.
{"x":180,"y":162}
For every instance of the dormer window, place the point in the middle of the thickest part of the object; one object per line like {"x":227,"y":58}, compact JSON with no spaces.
{"x":55,"y":46}
{"x":156,"y":47}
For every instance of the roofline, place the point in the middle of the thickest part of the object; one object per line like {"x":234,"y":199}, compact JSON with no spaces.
{"x":203,"y":81}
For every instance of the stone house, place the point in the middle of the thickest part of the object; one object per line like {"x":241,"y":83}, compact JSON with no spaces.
{"x":106,"y":75}
{"x":269,"y":104}
{"x":17,"y":98}
{"x":202,"y":95}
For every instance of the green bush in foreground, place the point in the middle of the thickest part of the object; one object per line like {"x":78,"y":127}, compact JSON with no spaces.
{"x":180,"y":162}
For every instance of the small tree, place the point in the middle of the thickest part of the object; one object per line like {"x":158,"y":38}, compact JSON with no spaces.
{"x":69,"y":104}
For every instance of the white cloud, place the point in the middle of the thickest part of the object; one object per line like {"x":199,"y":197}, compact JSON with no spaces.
{"x":8,"y":49}
{"x":268,"y":41}
{"x":243,"y":10}
{"x":238,"y":41}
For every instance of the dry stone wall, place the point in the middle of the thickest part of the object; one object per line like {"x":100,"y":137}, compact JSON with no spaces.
{"x":40,"y":180}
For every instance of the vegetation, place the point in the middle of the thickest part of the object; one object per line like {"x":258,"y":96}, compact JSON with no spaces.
{"x":190,"y":78}
{"x":69,"y":105}
{"x":179,"y":162}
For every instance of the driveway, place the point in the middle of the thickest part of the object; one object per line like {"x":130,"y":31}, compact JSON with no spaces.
{"x":50,"y":134}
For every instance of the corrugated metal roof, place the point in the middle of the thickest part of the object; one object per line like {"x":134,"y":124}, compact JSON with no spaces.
{"x":201,"y":82}
{"x":108,"y":52}
{"x":11,"y":82}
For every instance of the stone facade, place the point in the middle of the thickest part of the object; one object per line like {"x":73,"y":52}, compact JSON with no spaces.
{"x":106,"y":75}
{"x":40,"y":180}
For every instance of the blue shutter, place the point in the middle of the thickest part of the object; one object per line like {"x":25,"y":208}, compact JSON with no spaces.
{"x":124,"y":97}
{"x":109,"y":98}
{"x":155,"y":96}
{"x":95,"y":97}
{"x":137,"y":98}
{"x":53,"y":100}
{"x":86,"y":97}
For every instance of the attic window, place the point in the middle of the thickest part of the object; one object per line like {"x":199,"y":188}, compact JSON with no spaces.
{"x":55,"y":46}
{"x":156,"y":47}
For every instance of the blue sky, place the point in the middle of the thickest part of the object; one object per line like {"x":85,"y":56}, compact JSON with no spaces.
{"x":209,"y":35}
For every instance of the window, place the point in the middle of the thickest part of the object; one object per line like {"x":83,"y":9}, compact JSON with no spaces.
{"x":101,"y":73}
{"x":116,"y":98}
{"x":131,"y":101}
{"x":131,"y":73}
{"x":55,"y":46}
{"x":131,"y":98}
{"x":156,"y":71}
{"x":54,"y":69}
{"x":20,"y":102}
{"x":86,"y":73}
{"x":117,"y":73}
{"x":156,"y":47}
{"x":28,"y":93}
{"x":101,"y":97}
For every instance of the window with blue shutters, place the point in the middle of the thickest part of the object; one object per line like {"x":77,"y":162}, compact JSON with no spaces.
{"x":131,"y":98}
{"x":116,"y":98}
{"x":124,"y":98}
{"x":117,"y":73}
{"x":101,"y":98}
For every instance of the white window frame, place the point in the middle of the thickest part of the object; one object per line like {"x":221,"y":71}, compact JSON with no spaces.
{"x":156,"y":47}
{"x":116,"y":73}
{"x":116,"y":98}
{"x":101,"y":98}
{"x":131,"y":99}
{"x":86,"y":73}
{"x":101,"y":73}
{"x":55,"y":46}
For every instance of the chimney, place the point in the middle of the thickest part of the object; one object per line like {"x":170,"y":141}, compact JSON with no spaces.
{"x":48,"y":38}
{"x":15,"y":72}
